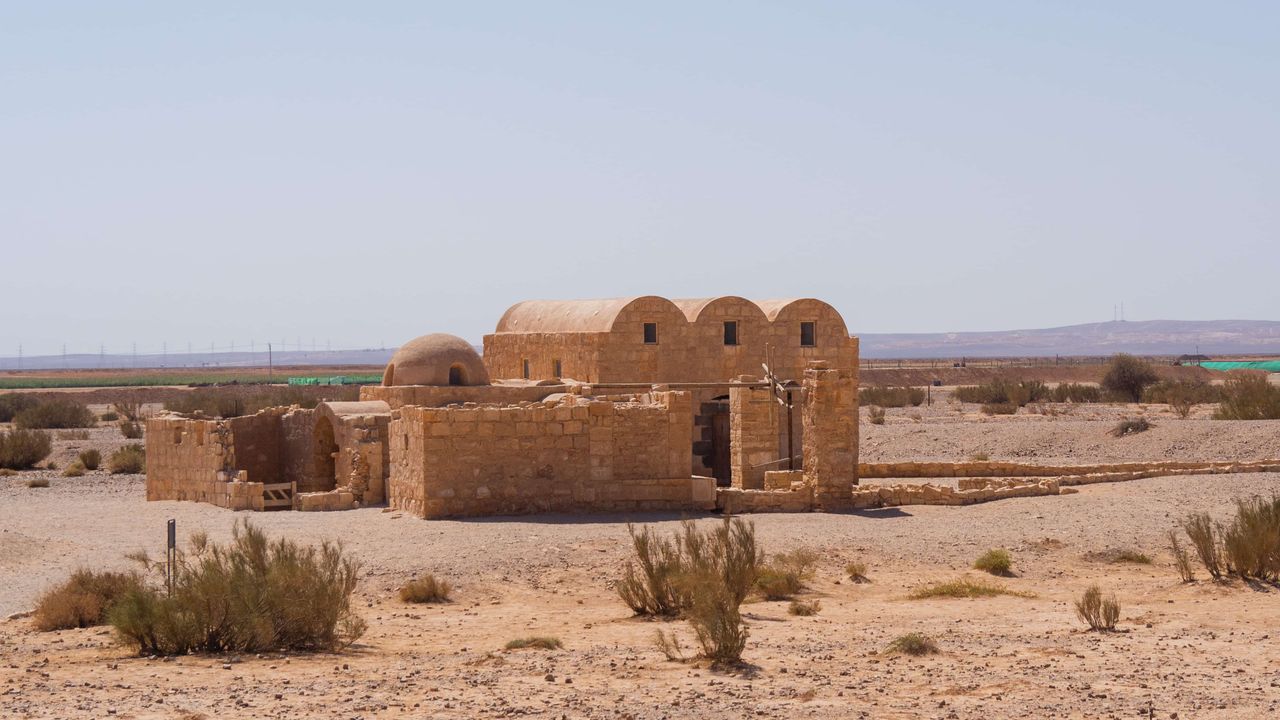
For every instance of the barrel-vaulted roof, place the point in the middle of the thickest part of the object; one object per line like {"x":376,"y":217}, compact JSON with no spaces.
{"x":551,"y":316}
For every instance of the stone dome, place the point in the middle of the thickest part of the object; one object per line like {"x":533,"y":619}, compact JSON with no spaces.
{"x":436,"y":359}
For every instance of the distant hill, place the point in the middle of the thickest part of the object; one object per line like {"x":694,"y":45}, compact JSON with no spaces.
{"x":1147,"y":337}
{"x":281,"y":358}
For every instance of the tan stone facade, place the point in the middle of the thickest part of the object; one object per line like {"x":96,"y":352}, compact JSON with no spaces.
{"x":598,"y":406}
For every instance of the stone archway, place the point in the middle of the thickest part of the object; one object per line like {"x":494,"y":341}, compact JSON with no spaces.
{"x":324,"y":468}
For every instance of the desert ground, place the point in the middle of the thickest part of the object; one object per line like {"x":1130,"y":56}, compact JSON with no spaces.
{"x":1199,"y":650}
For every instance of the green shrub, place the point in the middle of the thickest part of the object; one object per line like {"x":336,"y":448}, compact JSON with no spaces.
{"x":996,"y":562}
{"x":894,"y":397}
{"x":1248,"y":396}
{"x":1004,"y":392}
{"x":13,"y":403}
{"x":1098,"y":612}
{"x":21,"y":449}
{"x":128,"y":460}
{"x":912,"y":644}
{"x":74,"y":469}
{"x":90,"y":458}
{"x":1132,"y":426}
{"x":802,"y":608}
{"x":83,"y":600}
{"x":55,"y":414}
{"x":1182,"y":396}
{"x":1127,"y":376}
{"x":130,"y":429}
{"x":251,"y":595}
{"x":426,"y":589}
{"x":875,"y":415}
{"x":536,"y":642}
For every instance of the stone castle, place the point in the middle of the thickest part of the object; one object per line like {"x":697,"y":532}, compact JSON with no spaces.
{"x":576,"y":406}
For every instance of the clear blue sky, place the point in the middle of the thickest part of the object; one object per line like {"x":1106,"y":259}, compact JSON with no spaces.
{"x":367,"y":172}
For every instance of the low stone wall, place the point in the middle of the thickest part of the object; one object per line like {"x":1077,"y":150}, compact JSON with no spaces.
{"x":878,"y":496}
{"x":733,"y":501}
{"x":985,"y":469}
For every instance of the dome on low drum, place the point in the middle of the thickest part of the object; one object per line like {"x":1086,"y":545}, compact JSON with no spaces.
{"x":436,"y":359}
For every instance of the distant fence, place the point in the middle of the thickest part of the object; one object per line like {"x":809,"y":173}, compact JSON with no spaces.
{"x":337,"y":380}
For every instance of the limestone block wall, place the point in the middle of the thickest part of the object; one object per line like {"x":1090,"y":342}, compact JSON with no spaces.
{"x":753,"y":434}
{"x":442,"y":395}
{"x":578,"y":353}
{"x":184,"y":458}
{"x":575,"y":455}
{"x":830,"y":434}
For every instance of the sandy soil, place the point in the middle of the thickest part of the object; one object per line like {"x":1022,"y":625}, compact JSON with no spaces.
{"x":1188,"y":651}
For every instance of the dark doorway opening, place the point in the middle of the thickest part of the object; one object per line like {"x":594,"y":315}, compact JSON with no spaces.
{"x":326,"y":451}
{"x":714,"y":418}
{"x":457,"y":376}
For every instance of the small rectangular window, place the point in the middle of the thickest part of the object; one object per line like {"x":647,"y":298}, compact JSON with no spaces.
{"x":651,"y":333}
{"x":555,"y":366}
{"x":808,"y":334}
{"x":526,"y":369}
{"x":730,"y":332}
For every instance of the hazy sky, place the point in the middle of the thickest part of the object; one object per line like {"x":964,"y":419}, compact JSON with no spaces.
{"x":367,"y":172}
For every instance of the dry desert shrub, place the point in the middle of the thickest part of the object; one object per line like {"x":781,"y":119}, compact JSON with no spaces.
{"x":801,"y":608}
{"x":128,"y":460}
{"x":1005,"y":408}
{"x":912,"y":644}
{"x":55,"y":415}
{"x":109,"y":416}
{"x":1122,"y":555}
{"x":38,"y":482}
{"x":1200,"y":530}
{"x":979,"y":457}
{"x":13,"y":403}
{"x":875,"y":415}
{"x":1098,"y":612}
{"x":6,"y":472}
{"x":90,"y":458}
{"x":1181,"y":559}
{"x":857,"y":571}
{"x":537,"y":642}
{"x":1248,"y":396}
{"x":1127,"y":376}
{"x":702,"y":576}
{"x":73,"y":434}
{"x":893,"y":397}
{"x":1251,"y":542}
{"x":253,"y":594}
{"x":131,"y":411}
{"x":996,"y":562}
{"x":1132,"y":426}
{"x":83,"y":600}
{"x":21,"y":449}
{"x":74,"y":469}
{"x":964,"y":588}
{"x":1076,"y":393}
{"x":426,"y":589}
{"x":786,"y":574}
{"x":1004,"y":392}
{"x":130,"y":429}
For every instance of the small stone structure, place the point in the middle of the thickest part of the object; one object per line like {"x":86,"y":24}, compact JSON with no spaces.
{"x":613,"y":405}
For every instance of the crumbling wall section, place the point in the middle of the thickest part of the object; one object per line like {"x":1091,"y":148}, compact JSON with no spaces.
{"x":830,"y":434}
{"x":753,"y":434}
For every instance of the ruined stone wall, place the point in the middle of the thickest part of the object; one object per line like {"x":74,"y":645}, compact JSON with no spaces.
{"x":830,"y":434}
{"x":754,"y":419}
{"x":573,"y":456}
{"x":194,"y":460}
{"x":442,"y":395}
{"x":297,"y":430}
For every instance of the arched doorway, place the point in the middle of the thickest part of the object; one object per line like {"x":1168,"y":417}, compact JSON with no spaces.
{"x":457,"y":374}
{"x":324,"y":470}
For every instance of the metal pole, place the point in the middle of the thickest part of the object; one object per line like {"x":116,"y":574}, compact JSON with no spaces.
{"x":791,"y":433}
{"x":171,"y":554}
